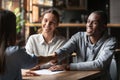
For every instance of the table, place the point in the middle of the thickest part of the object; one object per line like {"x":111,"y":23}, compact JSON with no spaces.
{"x":69,"y":75}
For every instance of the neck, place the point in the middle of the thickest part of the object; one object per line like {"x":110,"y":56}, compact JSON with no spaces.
{"x":48,"y":37}
{"x":94,"y":39}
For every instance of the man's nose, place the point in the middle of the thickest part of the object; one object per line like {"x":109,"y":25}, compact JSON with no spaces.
{"x":89,"y":24}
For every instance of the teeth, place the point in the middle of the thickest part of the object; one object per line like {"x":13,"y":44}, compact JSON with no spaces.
{"x":89,"y":30}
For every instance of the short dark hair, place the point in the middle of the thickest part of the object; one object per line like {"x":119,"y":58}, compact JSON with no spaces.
{"x":103,"y":15}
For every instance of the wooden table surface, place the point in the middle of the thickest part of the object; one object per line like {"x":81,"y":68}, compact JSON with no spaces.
{"x":68,"y":75}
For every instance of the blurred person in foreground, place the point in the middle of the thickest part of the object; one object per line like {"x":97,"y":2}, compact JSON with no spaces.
{"x":13,"y":57}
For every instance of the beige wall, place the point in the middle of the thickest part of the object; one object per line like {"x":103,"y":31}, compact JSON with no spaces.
{"x":114,"y":11}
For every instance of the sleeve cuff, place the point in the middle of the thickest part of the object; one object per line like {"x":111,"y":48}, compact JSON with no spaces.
{"x":73,"y":66}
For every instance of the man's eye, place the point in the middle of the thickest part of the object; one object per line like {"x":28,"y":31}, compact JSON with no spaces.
{"x":95,"y":22}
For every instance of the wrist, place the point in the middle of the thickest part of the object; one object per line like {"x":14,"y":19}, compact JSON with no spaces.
{"x":68,"y":67}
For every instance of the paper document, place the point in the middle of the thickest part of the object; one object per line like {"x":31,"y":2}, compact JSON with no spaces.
{"x":46,"y":72}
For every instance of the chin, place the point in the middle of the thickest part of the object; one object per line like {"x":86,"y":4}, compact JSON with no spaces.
{"x":89,"y":34}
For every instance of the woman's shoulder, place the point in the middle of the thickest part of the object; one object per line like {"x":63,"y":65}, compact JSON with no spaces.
{"x":13,"y":49}
{"x":60,"y":37}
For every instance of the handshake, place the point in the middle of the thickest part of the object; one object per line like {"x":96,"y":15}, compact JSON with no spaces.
{"x":46,"y":62}
{"x":44,"y":59}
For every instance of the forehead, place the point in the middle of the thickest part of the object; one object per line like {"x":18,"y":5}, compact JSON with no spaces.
{"x":94,"y":16}
{"x":49,"y":15}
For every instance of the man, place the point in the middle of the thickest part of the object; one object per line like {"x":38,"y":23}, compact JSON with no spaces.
{"x":94,"y":48}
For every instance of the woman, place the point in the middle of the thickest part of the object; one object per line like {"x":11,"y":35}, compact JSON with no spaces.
{"x":48,"y":40}
{"x":12,"y":58}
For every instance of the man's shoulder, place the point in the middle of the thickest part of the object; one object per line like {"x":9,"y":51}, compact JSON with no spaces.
{"x":80,"y":33}
{"x":12,"y":49}
{"x":112,"y":38}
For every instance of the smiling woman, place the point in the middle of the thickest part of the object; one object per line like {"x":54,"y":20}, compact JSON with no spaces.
{"x":47,"y":40}
{"x":48,"y":35}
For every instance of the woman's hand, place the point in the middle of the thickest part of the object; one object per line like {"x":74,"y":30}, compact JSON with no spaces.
{"x":44,"y":66}
{"x":28,"y":73}
{"x":31,"y":73}
{"x":37,"y":67}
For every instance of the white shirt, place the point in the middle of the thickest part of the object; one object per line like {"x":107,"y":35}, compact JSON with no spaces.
{"x":37,"y":45}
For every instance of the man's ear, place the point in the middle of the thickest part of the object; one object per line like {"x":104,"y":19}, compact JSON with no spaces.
{"x":104,"y":27}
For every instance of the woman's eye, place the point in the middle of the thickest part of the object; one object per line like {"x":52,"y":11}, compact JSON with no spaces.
{"x":53,"y":22}
{"x":45,"y":20}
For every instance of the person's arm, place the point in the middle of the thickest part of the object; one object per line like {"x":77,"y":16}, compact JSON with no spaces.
{"x":68,"y":48}
{"x":26,"y":60}
{"x":64,"y":52}
{"x":45,"y":59}
{"x":102,"y":61}
{"x":31,"y":62}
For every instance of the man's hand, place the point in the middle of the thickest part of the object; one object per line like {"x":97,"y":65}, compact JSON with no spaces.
{"x":59,"y":67}
{"x":45,"y":59}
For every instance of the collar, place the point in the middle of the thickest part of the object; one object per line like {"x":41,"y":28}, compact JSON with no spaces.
{"x":42,"y":40}
{"x":100,"y":41}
